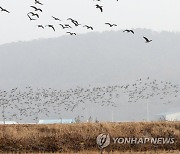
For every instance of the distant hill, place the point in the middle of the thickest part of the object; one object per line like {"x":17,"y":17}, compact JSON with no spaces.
{"x":93,"y":58}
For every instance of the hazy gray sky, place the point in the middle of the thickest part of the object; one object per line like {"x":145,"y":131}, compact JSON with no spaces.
{"x":153,"y":14}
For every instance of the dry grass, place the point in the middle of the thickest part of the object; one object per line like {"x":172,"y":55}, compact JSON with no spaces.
{"x":128,"y":152}
{"x":67,"y":138}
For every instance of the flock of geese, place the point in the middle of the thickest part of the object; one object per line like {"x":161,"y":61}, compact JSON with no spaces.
{"x":34,"y":15}
{"x":28,"y":103}
{"x":20,"y":104}
{"x":151,"y":88}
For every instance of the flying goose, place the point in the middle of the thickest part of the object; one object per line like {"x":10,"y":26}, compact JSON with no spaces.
{"x":2,"y":9}
{"x":63,"y":26}
{"x":51,"y":26}
{"x":30,"y":17}
{"x":88,"y":27}
{"x":34,"y":14}
{"x":146,"y":39}
{"x":75,"y":22}
{"x":36,"y":9}
{"x":99,"y":7}
{"x":55,"y":18}
{"x":71,"y":33}
{"x":40,"y":26}
{"x":67,"y":25}
{"x":37,"y":2}
{"x":129,"y":30}
{"x":111,"y":25}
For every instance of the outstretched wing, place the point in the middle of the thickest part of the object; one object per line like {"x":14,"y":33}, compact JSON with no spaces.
{"x":36,"y":15}
{"x":146,"y":38}
{"x":126,"y":30}
{"x":30,"y":17}
{"x":53,"y":28}
{"x":37,"y":2}
{"x":132,"y":31}
{"x":108,"y":23}
{"x":6,"y":10}
{"x":34,"y":7}
{"x":91,"y":28}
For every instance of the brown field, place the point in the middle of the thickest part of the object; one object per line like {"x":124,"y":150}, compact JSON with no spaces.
{"x":81,"y":137}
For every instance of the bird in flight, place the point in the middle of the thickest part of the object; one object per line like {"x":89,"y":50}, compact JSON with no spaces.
{"x":88,"y":27}
{"x":36,"y":9}
{"x":99,"y":7}
{"x":51,"y":26}
{"x":37,"y":2}
{"x":2,"y":9}
{"x":71,"y":19}
{"x":65,"y":26}
{"x":75,"y":22}
{"x":111,"y":25}
{"x":71,"y":33}
{"x":55,"y":18}
{"x":40,"y":26}
{"x":30,"y":17}
{"x":34,"y":14}
{"x":129,"y":30}
{"x":146,"y":39}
